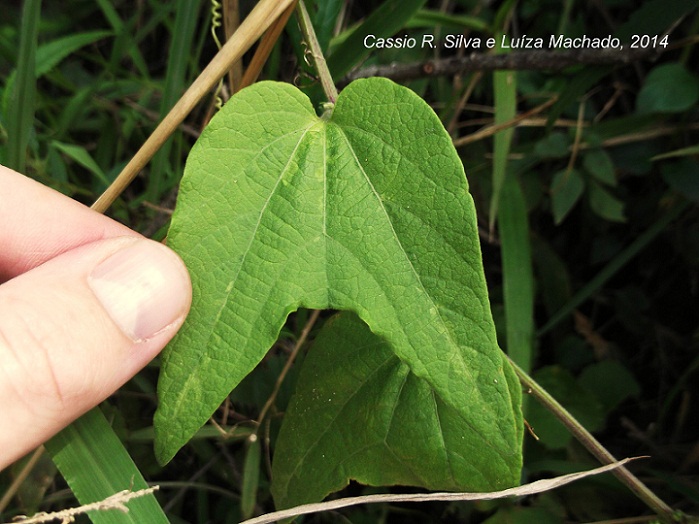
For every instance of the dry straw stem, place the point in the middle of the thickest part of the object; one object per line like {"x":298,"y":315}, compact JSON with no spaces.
{"x":528,"y":489}
{"x":265,"y":48}
{"x":641,"y":136}
{"x":495,"y":128}
{"x":231,"y":22}
{"x":117,"y":501}
{"x":20,"y":478}
{"x":256,"y":23}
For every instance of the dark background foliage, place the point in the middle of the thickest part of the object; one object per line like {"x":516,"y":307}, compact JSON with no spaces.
{"x":610,"y":174}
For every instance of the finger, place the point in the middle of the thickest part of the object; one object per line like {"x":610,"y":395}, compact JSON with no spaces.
{"x":77,"y":327}
{"x":38,"y":223}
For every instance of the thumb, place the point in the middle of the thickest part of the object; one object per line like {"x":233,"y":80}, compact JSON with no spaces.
{"x":74,"y":329}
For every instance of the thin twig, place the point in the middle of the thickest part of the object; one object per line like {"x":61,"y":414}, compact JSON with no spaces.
{"x":256,"y":23}
{"x":495,"y":128}
{"x":640,"y":136}
{"x":577,"y":139}
{"x":231,"y":22}
{"x":19,"y":479}
{"x":536,"y":60}
{"x":463,"y":100}
{"x":264,"y":49}
{"x":280,"y":379}
{"x":538,"y":486}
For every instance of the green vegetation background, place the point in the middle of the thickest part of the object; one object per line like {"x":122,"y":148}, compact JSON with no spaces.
{"x":608,"y":172}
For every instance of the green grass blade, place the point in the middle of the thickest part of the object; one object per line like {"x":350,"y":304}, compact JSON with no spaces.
{"x":431,"y":18}
{"x":96,"y":465}
{"x":187,"y":15}
{"x":508,"y":205}
{"x":124,"y":44}
{"x":505,"y":88}
{"x":251,"y":478}
{"x":49,"y":55}
{"x":685,"y":151}
{"x":614,"y":265}
{"x":518,"y":278}
{"x":385,"y":21}
{"x":20,"y":118}
{"x":325,"y":14}
{"x":83,"y":158}
{"x":110,"y":13}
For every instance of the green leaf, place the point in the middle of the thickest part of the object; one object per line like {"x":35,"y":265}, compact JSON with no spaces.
{"x":520,"y":515}
{"x":50,"y":55}
{"x":430,"y":18}
{"x":611,"y":382}
{"x":669,"y":88}
{"x":582,"y":404}
{"x":360,"y":414}
{"x":604,"y":204}
{"x":178,"y":57}
{"x":566,"y":188}
{"x":47,"y":57}
{"x":82,"y":157}
{"x":517,"y":273}
{"x":553,"y":145}
{"x":366,"y":210}
{"x":598,"y":163}
{"x":683,"y":176}
{"x":505,"y":94}
{"x":577,"y":84}
{"x":325,"y":17}
{"x":653,"y":17}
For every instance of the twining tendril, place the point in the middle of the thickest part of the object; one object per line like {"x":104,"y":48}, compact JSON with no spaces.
{"x":216,"y":23}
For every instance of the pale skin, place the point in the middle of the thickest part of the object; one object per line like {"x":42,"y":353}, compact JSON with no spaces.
{"x":85,"y":303}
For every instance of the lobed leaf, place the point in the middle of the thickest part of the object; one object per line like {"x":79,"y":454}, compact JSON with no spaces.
{"x":360,"y":414}
{"x":365,"y":209}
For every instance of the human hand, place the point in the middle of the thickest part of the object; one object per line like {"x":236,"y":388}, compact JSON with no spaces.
{"x":85,"y":303}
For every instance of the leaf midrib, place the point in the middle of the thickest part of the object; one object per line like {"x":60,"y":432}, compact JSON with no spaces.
{"x":203,"y":354}
{"x":407,"y":258}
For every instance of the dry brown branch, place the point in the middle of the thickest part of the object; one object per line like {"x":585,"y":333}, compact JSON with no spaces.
{"x":495,"y":128}
{"x":534,"y":60}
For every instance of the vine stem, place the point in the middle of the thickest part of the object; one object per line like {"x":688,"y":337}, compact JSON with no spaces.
{"x":664,"y":512}
{"x":309,"y":34}
{"x":280,"y":379}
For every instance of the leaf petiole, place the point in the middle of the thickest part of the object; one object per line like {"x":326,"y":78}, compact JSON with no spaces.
{"x":309,"y":35}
